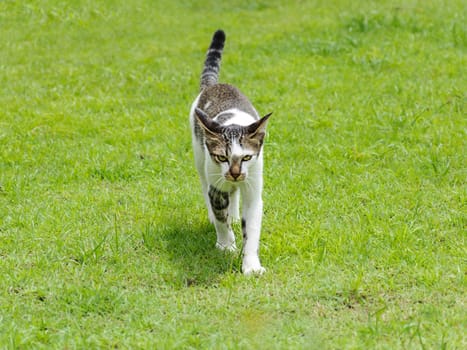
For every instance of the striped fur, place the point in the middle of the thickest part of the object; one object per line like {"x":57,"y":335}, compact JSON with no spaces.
{"x":210,"y":73}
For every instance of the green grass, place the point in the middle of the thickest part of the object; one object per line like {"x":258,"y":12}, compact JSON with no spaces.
{"x":104,"y":238}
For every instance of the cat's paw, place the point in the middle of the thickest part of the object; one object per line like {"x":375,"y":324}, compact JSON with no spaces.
{"x":251,"y":265}
{"x":226,"y":247}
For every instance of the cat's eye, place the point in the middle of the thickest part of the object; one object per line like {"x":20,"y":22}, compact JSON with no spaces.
{"x":221,"y":159}
{"x":247,"y":158}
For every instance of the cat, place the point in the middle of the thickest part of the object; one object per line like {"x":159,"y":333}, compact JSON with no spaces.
{"x":227,"y":137}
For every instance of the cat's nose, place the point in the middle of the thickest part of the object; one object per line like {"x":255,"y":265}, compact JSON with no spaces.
{"x":235,"y":176}
{"x":235,"y":171}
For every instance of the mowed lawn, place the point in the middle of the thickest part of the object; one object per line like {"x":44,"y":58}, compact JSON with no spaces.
{"x":104,"y":238}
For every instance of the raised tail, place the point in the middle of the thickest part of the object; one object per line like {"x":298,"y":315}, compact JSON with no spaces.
{"x":212,"y":63}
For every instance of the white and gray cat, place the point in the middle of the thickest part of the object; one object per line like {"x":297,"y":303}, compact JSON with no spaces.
{"x":228,"y":136}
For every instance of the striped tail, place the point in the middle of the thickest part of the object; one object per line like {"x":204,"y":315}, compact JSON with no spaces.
{"x":212,"y":64}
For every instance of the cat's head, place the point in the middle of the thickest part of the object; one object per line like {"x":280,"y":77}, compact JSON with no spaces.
{"x":233,"y":148}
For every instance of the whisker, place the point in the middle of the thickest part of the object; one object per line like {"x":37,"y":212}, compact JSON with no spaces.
{"x":218,"y":181}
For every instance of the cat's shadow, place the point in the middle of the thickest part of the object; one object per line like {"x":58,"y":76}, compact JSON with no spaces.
{"x":190,"y":248}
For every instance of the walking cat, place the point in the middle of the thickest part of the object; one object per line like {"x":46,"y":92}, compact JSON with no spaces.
{"x":228,"y":136}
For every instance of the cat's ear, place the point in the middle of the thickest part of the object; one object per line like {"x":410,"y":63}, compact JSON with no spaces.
{"x":257,"y":131}
{"x":207,"y":123}
{"x":258,"y":128}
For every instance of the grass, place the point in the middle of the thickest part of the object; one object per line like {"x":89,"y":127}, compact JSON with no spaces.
{"x":104,"y":240}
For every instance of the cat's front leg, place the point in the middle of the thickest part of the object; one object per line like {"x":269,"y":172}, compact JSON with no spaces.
{"x":234,"y":206}
{"x":251,"y":228}
{"x":219,"y":201}
{"x":211,"y":216}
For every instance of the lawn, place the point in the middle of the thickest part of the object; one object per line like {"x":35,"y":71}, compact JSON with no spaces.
{"x":104,"y":238}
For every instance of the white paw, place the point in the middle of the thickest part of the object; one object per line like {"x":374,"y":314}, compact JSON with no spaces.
{"x":226,"y":247}
{"x":251,"y":265}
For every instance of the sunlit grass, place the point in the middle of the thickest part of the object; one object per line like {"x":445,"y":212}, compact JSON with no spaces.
{"x":104,"y":238}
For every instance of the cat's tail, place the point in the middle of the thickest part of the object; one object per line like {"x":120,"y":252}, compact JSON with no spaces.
{"x":212,"y":63}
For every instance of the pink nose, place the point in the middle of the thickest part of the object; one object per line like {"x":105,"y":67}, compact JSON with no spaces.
{"x":235,"y":170}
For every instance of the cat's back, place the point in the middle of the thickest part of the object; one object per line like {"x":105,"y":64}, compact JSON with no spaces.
{"x":218,"y":98}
